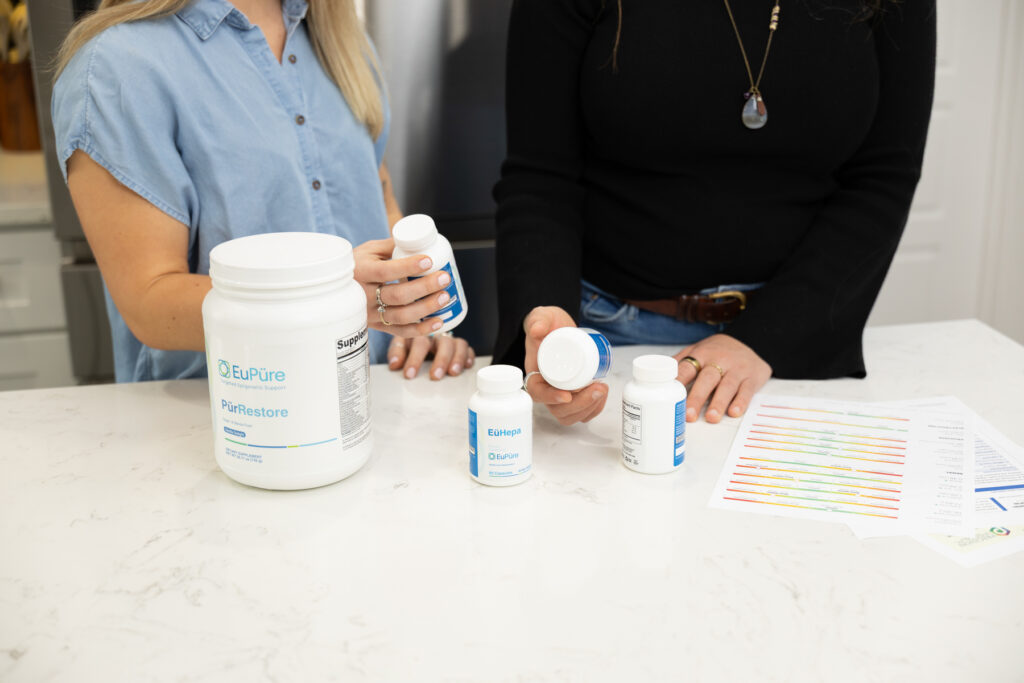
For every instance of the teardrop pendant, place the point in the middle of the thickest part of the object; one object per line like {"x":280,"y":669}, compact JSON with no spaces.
{"x":755,"y":115}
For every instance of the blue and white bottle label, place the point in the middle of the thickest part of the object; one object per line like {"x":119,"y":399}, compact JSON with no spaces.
{"x":680,"y":436}
{"x":473,"y":466}
{"x":455,"y":304}
{"x":500,"y":449}
{"x":604,"y":352}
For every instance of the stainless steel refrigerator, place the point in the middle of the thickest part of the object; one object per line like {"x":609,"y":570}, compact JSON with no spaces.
{"x":443,"y":61}
{"x":88,"y":328}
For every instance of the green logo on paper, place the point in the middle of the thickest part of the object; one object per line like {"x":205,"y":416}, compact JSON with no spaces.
{"x":224,"y":368}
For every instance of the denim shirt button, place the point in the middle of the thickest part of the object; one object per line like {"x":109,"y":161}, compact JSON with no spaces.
{"x":292,"y":59}
{"x":316,"y":184}
{"x":300,"y":119}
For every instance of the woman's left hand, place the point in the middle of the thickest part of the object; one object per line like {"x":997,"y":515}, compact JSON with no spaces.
{"x":451,"y":355}
{"x":729,"y":368}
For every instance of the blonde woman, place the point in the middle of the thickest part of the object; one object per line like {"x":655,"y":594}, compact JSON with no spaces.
{"x":184,"y":123}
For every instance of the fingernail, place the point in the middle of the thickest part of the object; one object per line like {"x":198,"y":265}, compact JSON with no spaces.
{"x":564,"y":399}
{"x":711,"y":415}
{"x":690,"y":413}
{"x":425,"y":264}
{"x":596,"y":395}
{"x":437,"y":325}
{"x":443,"y":298}
{"x":456,"y":369}
{"x":392,"y":360}
{"x":444,"y":279}
{"x":735,"y":411}
{"x":410,"y":373}
{"x":439,"y":373}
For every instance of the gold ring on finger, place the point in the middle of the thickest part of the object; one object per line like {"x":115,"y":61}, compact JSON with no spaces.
{"x":380,"y":312}
{"x":527,"y":378}
{"x":381,"y":306}
{"x":716,"y":366}
{"x":694,"y":362}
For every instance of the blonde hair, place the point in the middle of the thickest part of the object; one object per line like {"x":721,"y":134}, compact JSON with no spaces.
{"x":334,"y":29}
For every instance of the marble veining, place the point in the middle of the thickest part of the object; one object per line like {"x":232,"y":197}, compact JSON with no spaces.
{"x":125,"y":555}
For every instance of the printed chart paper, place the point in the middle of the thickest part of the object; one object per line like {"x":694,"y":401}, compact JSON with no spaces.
{"x":893,"y":467}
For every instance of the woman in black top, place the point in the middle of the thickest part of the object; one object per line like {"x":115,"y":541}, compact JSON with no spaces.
{"x":629,"y":168}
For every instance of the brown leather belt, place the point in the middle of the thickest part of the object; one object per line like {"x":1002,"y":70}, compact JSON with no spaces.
{"x":714,"y":309}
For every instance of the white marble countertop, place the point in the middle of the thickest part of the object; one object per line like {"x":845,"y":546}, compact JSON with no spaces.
{"x":126,"y":555}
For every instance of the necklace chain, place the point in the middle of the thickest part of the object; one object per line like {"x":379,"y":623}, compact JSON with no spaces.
{"x":755,"y":85}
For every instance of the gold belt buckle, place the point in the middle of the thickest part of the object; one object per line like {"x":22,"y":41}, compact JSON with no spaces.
{"x":731,"y":294}
{"x":728,"y":294}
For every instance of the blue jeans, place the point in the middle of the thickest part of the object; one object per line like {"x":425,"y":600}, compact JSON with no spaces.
{"x":624,"y":323}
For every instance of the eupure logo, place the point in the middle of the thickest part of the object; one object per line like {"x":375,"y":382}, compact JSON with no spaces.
{"x":250,"y":374}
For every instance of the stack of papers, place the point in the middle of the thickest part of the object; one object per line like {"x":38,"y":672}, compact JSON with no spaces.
{"x":930,"y":468}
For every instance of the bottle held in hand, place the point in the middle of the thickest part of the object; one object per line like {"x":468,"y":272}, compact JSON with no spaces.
{"x":570,"y":358}
{"x":417,"y":234}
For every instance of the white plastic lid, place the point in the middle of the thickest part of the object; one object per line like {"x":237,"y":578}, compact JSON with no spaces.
{"x":567,"y":358}
{"x":655,"y":368}
{"x":279,"y":260}
{"x":415,"y":232}
{"x":499,"y":379}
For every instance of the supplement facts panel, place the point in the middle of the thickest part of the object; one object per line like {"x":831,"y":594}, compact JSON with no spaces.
{"x":354,"y":388}
{"x":631,"y":431}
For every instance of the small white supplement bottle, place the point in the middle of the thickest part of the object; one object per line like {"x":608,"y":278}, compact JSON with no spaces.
{"x":500,"y":427}
{"x":570,"y":358}
{"x":287,"y":360}
{"x":416,"y":234}
{"x":654,"y":416}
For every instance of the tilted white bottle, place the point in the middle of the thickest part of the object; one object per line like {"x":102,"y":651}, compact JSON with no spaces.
{"x":654,"y":416}
{"x":416,"y":234}
{"x":570,"y":358}
{"x":500,"y":427}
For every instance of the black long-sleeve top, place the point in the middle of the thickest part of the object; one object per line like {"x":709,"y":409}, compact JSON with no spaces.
{"x":643,"y":180}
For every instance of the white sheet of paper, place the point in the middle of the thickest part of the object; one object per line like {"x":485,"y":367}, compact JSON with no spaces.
{"x":900,"y":468}
{"x":998,"y":466}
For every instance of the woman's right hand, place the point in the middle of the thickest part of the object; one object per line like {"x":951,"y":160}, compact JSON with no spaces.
{"x":408,"y":303}
{"x":568,"y":407}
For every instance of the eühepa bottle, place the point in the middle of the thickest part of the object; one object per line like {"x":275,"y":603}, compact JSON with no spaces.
{"x":500,"y":427}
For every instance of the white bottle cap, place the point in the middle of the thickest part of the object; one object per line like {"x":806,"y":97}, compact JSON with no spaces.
{"x":280,"y":260}
{"x":499,"y":379}
{"x":654,"y":368}
{"x":568,"y":358}
{"x":415,"y":232}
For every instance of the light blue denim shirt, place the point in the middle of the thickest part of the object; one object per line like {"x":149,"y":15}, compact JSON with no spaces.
{"x":193,"y":113}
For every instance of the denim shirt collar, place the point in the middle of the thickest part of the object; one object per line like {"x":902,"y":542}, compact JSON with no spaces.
{"x":205,"y":16}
